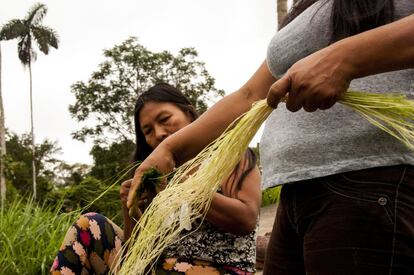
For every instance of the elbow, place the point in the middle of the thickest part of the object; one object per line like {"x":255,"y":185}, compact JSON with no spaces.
{"x":245,"y":225}
{"x":246,"y":221}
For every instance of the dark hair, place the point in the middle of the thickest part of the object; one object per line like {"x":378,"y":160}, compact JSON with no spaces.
{"x":243,"y":169}
{"x":167,"y":93}
{"x":350,"y":17}
{"x":158,"y":93}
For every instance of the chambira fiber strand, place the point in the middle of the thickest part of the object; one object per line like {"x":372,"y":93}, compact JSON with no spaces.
{"x":189,"y":193}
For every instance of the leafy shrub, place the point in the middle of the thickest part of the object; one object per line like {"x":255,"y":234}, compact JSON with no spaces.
{"x":270,"y":195}
{"x":80,"y":196}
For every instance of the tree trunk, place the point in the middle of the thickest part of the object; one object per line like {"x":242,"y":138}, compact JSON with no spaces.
{"x":281,"y":10}
{"x":32,"y":133}
{"x":2,"y":146}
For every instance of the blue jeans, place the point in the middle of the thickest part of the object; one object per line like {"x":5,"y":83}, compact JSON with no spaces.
{"x":360,"y":222}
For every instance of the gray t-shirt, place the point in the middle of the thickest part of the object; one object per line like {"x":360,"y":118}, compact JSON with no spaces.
{"x":301,"y":145}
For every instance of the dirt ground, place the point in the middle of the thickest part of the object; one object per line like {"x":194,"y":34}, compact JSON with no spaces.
{"x":267,"y":216}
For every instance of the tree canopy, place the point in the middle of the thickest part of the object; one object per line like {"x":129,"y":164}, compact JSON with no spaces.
{"x":105,"y":103}
{"x":111,"y":161}
{"x":28,"y":29}
{"x":19,"y":166}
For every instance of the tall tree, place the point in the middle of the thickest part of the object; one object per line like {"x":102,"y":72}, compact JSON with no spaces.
{"x":2,"y":146}
{"x":107,"y":99}
{"x":25,"y":31}
{"x":282,"y":6}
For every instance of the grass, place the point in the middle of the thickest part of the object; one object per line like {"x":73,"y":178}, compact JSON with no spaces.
{"x":30,"y":236}
{"x":270,"y":195}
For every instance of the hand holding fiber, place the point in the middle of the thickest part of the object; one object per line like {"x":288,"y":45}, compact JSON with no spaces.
{"x":162,"y":222}
{"x":317,"y":81}
{"x":188,"y":194}
{"x":124,"y":191}
{"x":148,"y":183}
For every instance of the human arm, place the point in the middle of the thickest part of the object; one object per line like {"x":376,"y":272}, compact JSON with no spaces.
{"x":129,"y":223}
{"x":142,"y":203}
{"x":188,"y":141}
{"x":320,"y":79}
{"x":236,"y":210}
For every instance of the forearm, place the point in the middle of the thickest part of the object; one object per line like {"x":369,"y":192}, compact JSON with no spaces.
{"x":232,"y":215}
{"x":387,"y":48}
{"x":190,"y":140}
{"x":320,"y":79}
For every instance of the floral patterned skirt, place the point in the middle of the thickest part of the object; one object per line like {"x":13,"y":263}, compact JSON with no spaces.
{"x":93,"y":241}
{"x":174,"y":266}
{"x":89,"y":247}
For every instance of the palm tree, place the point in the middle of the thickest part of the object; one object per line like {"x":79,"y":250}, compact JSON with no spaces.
{"x":25,"y":31}
{"x":2,"y":146}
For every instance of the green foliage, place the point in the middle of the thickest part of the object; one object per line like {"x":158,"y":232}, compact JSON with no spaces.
{"x":69,"y":174}
{"x":81,"y":195}
{"x":27,"y":31}
{"x":19,"y":163}
{"x":11,"y":192}
{"x":270,"y":195}
{"x":107,"y":99}
{"x":111,"y":160}
{"x":149,"y":182}
{"x":30,"y":236}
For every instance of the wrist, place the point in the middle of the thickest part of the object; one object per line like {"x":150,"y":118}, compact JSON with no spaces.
{"x":167,"y":152}
{"x":343,"y":55}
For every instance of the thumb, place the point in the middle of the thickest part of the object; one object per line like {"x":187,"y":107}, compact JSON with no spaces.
{"x":132,"y":194}
{"x":278,"y":91}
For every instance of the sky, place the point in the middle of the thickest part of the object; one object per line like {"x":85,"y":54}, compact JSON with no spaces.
{"x":231,"y":37}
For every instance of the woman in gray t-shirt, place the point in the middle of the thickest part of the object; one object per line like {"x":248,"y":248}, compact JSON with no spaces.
{"x":346,"y":204}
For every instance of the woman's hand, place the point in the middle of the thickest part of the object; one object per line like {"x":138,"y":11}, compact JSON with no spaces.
{"x":123,"y":192}
{"x":320,"y":79}
{"x":161,"y":159}
{"x":142,"y":202}
{"x":314,"y":82}
{"x":129,"y":223}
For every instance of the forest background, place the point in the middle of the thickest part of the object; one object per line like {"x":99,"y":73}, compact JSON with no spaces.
{"x":75,"y":138}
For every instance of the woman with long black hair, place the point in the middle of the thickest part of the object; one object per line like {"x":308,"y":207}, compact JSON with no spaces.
{"x":222,"y":243}
{"x":346,"y":202}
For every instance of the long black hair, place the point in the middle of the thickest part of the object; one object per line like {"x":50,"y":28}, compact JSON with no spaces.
{"x":241,"y":170}
{"x":159,"y":93}
{"x":350,"y":17}
{"x":166,"y":93}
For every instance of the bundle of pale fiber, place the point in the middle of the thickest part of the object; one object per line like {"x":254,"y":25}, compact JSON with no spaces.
{"x":189,"y":193}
